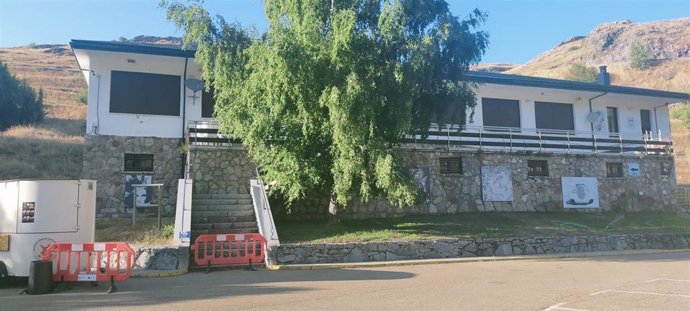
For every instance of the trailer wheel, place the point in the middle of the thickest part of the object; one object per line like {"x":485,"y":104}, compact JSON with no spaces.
{"x":3,"y":270}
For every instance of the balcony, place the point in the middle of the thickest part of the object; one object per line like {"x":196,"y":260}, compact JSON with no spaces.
{"x":486,"y":138}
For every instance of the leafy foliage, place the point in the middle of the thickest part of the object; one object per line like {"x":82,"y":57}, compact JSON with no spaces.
{"x":640,"y":55}
{"x":19,"y":103}
{"x":320,"y":99}
{"x":682,"y":113}
{"x":580,"y":72}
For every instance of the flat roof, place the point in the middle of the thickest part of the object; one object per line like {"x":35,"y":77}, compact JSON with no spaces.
{"x":126,"y":47}
{"x":518,"y":80}
{"x":474,"y":76}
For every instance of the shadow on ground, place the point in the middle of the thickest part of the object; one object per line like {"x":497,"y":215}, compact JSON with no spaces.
{"x":192,"y":286}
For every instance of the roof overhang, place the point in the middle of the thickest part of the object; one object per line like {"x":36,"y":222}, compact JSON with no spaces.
{"x":150,"y":49}
{"x":524,"y":81}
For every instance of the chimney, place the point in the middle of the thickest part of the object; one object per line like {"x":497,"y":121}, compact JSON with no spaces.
{"x":603,"y":77}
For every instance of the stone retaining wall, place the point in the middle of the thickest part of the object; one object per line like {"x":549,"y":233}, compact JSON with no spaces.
{"x":384,"y":251}
{"x":104,"y":157}
{"x":462,"y":192}
{"x":160,"y":258}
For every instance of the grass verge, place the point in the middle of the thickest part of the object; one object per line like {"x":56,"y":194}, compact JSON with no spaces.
{"x":145,"y":232}
{"x":469,"y":225}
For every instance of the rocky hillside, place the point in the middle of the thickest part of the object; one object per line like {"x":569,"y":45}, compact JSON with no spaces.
{"x":609,"y":44}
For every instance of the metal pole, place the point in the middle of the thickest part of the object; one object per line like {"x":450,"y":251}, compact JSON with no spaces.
{"x":134,"y":205}
{"x":160,"y":202}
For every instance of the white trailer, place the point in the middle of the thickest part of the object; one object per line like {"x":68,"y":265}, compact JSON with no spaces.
{"x":35,"y":213}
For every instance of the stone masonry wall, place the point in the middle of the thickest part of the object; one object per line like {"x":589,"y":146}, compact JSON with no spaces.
{"x":221,"y":170}
{"x":383,"y":251}
{"x":104,"y":162}
{"x":457,"y":193}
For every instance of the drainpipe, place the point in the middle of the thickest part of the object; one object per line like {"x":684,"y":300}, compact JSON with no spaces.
{"x":184,"y":113}
{"x":591,"y":124}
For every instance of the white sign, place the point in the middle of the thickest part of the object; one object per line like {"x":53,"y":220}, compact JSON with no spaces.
{"x":497,"y":183}
{"x":86,"y":278}
{"x":634,"y":169}
{"x":580,"y":192}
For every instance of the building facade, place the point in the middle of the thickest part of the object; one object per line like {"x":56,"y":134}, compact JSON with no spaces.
{"x":530,"y":144}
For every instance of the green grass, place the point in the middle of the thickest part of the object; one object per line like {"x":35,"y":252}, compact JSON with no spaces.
{"x":145,"y":232}
{"x":468,"y":225}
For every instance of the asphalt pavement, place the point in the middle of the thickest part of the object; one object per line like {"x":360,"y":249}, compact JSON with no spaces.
{"x":627,"y":282}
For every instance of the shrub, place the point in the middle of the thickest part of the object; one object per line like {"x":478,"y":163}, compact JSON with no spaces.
{"x":640,"y":55}
{"x":682,"y":113}
{"x":580,"y":72}
{"x":82,"y":97}
{"x":19,"y":103}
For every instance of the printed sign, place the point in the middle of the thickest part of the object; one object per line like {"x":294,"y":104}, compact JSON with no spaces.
{"x":142,"y":195}
{"x":86,"y":278}
{"x":634,"y":169}
{"x":497,"y":183}
{"x":580,"y":192}
{"x":28,"y":212}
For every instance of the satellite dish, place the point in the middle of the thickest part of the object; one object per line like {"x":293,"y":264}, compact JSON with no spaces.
{"x":194,"y":84}
{"x":594,"y":116}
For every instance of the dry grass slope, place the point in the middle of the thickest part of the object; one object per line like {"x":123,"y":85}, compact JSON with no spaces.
{"x":52,"y":149}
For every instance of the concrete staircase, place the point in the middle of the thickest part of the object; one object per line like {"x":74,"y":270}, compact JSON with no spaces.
{"x":222,"y":213}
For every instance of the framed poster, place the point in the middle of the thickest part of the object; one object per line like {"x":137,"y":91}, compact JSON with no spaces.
{"x":497,"y":183}
{"x":143,"y":194}
{"x":422,"y":178}
{"x":580,"y":192}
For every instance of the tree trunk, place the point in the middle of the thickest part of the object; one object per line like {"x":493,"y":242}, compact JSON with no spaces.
{"x":332,"y":211}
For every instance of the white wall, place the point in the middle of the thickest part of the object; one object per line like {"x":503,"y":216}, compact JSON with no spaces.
{"x":99,"y":118}
{"x":629,"y":107}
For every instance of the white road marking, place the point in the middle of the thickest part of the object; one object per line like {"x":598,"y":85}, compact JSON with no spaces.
{"x":558,"y":307}
{"x":640,"y":293}
{"x":670,"y":280}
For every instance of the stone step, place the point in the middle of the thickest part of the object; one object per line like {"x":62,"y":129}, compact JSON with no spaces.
{"x":233,"y":225}
{"x":231,"y":213}
{"x":235,"y":196}
{"x":196,"y":233}
{"x":227,"y":219}
{"x":231,"y":207}
{"x":221,"y":201}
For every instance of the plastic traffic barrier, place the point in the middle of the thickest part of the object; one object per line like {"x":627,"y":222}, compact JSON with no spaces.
{"x":228,"y":249}
{"x":91,"y":262}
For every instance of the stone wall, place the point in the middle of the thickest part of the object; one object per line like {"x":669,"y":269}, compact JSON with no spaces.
{"x":161,"y":258}
{"x":221,"y":170}
{"x":457,"y":193}
{"x":383,"y":251}
{"x":104,"y":157}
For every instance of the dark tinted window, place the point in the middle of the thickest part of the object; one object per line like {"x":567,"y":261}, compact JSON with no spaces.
{"x":645,"y":121}
{"x":135,"y":162}
{"x":144,"y":93}
{"x":501,"y":112}
{"x":207,"y":103}
{"x":614,"y":169}
{"x":554,"y":116}
{"x":450,"y":165}
{"x":612,"y":117}
{"x":537,"y":168}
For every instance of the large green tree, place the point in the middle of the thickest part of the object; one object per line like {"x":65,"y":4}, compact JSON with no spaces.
{"x":320,"y":99}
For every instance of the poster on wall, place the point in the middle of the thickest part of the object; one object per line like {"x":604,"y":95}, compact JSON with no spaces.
{"x":497,"y":183}
{"x":634,"y":169}
{"x":580,"y":192}
{"x":143,"y":195}
{"x":422,"y":178}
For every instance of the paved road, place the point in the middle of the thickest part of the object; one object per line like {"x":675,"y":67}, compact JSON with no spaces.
{"x":632,"y":282}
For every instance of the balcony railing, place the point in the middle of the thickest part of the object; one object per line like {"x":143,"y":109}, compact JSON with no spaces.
{"x":487,"y":138}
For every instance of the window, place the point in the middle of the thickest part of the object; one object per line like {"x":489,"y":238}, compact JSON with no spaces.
{"x":614,"y":169}
{"x":554,"y":116}
{"x":612,"y":117}
{"x":145,"y":93}
{"x":645,"y":121}
{"x":450,"y":165}
{"x":208,"y":101}
{"x":537,"y":168}
{"x":500,"y":112}
{"x":135,"y":162}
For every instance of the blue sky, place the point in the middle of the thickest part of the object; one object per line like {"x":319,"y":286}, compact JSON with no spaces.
{"x":519,"y":30}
